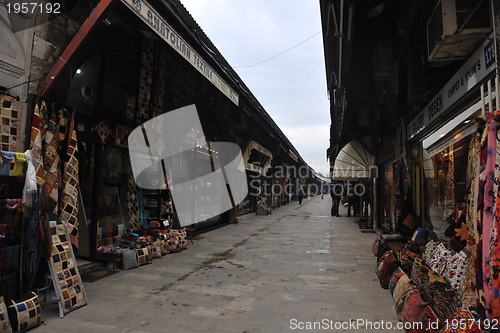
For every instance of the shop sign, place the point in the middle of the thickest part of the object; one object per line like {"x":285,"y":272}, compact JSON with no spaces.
{"x":479,"y":65}
{"x":147,"y":14}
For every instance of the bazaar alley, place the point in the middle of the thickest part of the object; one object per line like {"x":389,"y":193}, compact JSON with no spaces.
{"x":270,"y":273}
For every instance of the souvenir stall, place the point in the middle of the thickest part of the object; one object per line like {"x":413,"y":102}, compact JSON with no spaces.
{"x":452,"y":282}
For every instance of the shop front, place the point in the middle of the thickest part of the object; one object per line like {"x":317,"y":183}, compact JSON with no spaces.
{"x":454,"y":145}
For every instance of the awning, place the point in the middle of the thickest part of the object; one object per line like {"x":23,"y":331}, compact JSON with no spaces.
{"x":353,"y":162}
{"x":260,"y":166}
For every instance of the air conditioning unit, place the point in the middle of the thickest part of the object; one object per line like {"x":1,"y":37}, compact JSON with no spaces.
{"x":456,"y":28}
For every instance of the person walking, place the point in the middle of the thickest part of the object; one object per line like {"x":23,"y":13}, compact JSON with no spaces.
{"x":351,"y":201}
{"x":335,"y":194}
{"x":300,"y":193}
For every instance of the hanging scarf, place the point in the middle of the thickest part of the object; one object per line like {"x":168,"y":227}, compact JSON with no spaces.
{"x":489,"y":201}
{"x":29,"y":190}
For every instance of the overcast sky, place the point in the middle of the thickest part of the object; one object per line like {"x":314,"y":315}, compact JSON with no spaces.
{"x":292,"y":86}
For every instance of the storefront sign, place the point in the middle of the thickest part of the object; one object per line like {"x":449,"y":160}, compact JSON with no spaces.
{"x":147,"y":14}
{"x":479,"y":65}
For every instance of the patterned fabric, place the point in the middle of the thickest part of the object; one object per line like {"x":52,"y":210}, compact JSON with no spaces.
{"x":10,"y":123}
{"x":156,"y":249}
{"x":403,"y":286}
{"x":450,"y":184}
{"x":173,"y":244}
{"x":480,"y":302}
{"x":430,"y":248}
{"x":5,"y":326}
{"x":129,"y":259}
{"x":455,"y":270}
{"x":143,"y":256}
{"x":495,"y":240}
{"x":62,"y":263}
{"x":489,"y":201}
{"x":436,"y":291}
{"x":416,"y":310}
{"x":52,"y":163}
{"x":439,"y":259}
{"x":406,"y":255}
{"x":25,"y":314}
{"x":181,"y":235}
{"x":469,"y":297}
{"x":398,"y":273}
{"x":69,"y":200}
{"x":164,"y":247}
{"x":385,"y":268}
{"x":462,"y":322}
{"x":36,"y":141}
{"x":103,"y":131}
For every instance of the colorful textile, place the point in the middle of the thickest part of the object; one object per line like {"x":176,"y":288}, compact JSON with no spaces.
{"x":416,"y":310}
{"x":64,"y":269}
{"x":5,"y":326}
{"x":103,"y":131}
{"x":494,"y":264}
{"x":435,"y":290}
{"x":462,"y":322}
{"x":430,"y":248}
{"x":36,"y":141}
{"x":385,"y":268}
{"x":69,"y":200}
{"x":144,"y":256}
{"x":398,"y":273}
{"x":406,"y":255}
{"x":440,"y":258}
{"x":450,"y":184}
{"x":478,"y":234}
{"x":469,"y":297}
{"x":455,"y":270}
{"x":488,"y":207}
{"x":10,"y":123}
{"x":19,"y":159}
{"x":25,"y":314}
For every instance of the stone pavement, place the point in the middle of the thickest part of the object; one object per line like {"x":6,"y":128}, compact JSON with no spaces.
{"x":275,"y":273}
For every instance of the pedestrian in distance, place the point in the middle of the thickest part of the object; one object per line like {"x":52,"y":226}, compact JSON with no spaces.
{"x":335,"y":193}
{"x":301,"y":193}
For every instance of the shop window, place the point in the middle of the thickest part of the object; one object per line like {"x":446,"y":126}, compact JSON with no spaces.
{"x":445,"y":174}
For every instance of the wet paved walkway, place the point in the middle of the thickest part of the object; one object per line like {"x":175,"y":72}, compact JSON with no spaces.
{"x":275,"y":273}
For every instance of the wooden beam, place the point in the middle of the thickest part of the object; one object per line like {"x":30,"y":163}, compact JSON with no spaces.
{"x":82,"y":34}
